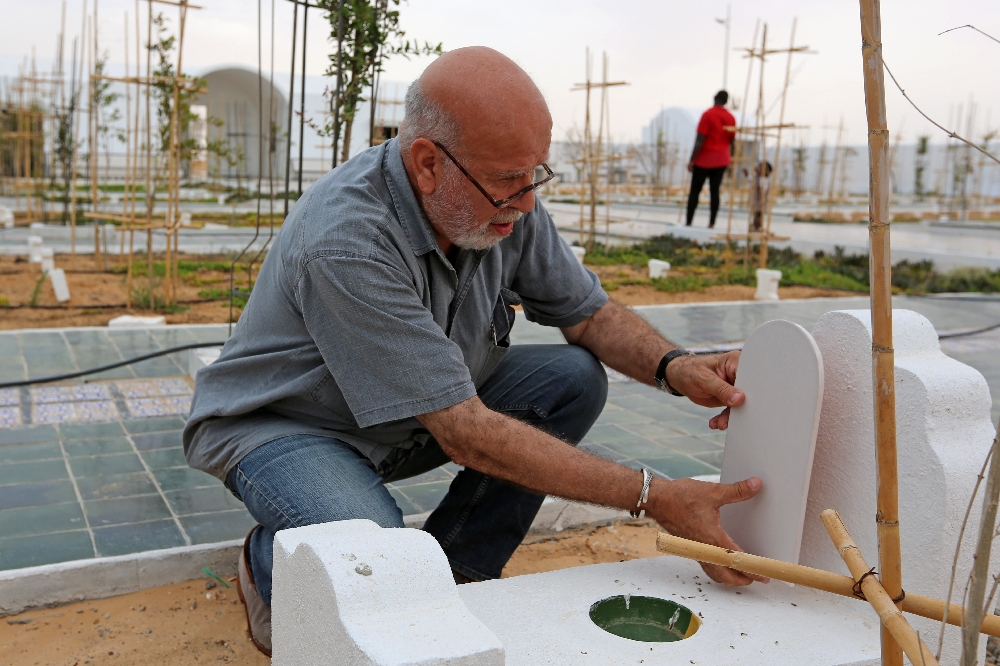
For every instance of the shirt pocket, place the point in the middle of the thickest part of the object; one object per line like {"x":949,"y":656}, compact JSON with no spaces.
{"x":500,"y":327}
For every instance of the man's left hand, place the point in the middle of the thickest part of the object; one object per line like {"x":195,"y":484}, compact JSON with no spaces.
{"x":708,"y":381}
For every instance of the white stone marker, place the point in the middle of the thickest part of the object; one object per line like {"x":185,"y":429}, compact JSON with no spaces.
{"x":215,"y":226}
{"x":48,"y":259}
{"x":134,"y":321}
{"x":772,"y":435}
{"x":185,"y":219}
{"x":35,"y":249}
{"x":6,"y":217}
{"x":353,"y":593}
{"x":578,"y":252}
{"x":658,"y":268}
{"x":944,"y":432}
{"x":767,"y":284}
{"x":58,"y":278}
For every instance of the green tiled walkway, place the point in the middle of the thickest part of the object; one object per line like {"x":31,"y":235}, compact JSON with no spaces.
{"x":98,"y":478}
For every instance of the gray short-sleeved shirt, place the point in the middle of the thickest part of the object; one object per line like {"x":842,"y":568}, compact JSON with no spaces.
{"x":358,"y":322}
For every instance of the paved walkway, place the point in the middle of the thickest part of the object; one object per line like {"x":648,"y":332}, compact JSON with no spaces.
{"x":96,"y":469}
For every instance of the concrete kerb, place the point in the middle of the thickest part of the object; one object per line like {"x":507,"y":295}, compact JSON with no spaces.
{"x":98,"y":578}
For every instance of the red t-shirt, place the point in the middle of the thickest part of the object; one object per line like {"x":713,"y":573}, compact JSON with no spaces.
{"x":715,"y":151}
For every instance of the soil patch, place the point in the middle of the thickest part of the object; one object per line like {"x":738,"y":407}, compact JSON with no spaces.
{"x":203,"y":622}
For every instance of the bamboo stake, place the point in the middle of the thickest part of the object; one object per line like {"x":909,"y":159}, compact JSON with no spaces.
{"x":769,"y":200}
{"x":817,"y":579}
{"x":981,"y":561}
{"x":875,"y":594}
{"x":883,"y":360}
{"x":77,"y":92}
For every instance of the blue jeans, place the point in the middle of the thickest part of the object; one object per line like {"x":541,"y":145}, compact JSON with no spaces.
{"x":306,"y":479}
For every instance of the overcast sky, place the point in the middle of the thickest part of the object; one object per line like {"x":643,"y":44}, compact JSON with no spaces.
{"x":670,"y":52}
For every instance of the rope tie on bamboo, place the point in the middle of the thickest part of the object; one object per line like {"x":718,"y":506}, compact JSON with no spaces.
{"x":879,"y":349}
{"x":878,"y":131}
{"x":857,"y":585}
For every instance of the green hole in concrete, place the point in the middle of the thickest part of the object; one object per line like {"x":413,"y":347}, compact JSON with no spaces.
{"x":646,"y":619}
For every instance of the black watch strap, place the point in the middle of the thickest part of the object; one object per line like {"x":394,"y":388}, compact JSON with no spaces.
{"x":661,"y":370}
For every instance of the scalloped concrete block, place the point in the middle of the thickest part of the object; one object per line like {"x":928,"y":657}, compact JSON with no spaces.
{"x":767,"y":284}
{"x":350,"y":592}
{"x":658,"y":268}
{"x":944,"y":432}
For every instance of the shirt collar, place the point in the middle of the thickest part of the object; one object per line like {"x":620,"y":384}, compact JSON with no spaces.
{"x":411,"y":216}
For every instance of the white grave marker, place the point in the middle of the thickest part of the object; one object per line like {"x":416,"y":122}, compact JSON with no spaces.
{"x":35,"y":249}
{"x":772,"y":435}
{"x":58,"y":278}
{"x":767,"y":284}
{"x":578,"y":252}
{"x":48,"y":259}
{"x":658,"y":268}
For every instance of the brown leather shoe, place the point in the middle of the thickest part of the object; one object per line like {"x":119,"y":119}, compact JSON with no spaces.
{"x":258,"y":613}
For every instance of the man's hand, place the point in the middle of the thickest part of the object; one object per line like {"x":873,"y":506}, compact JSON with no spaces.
{"x":690,"y":509}
{"x":691,"y":167}
{"x":708,"y":381}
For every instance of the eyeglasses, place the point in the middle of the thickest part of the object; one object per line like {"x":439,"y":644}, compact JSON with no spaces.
{"x":503,"y":203}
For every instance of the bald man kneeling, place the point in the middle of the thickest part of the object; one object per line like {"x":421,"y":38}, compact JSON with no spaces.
{"x":376,"y":347}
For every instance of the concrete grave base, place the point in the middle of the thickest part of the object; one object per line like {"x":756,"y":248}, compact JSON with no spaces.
{"x":544,"y":619}
{"x":351,"y":592}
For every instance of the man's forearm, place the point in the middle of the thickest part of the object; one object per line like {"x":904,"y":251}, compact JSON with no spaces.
{"x":499,"y":446}
{"x":623,"y":340}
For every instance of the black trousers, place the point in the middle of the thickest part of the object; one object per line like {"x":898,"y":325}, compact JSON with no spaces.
{"x":698,"y":177}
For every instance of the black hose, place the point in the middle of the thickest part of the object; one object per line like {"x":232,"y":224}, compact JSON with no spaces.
{"x":73,"y":375}
{"x":962,"y":334}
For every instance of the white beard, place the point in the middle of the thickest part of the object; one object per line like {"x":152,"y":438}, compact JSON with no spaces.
{"x":451,"y":212}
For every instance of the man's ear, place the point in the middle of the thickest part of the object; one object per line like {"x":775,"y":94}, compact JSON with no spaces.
{"x":426,"y":161}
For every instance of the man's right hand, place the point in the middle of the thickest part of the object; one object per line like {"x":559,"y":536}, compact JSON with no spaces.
{"x":691,"y":167}
{"x":690,"y":509}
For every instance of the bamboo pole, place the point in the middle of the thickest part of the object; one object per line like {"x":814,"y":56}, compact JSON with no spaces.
{"x":892,"y":620}
{"x":981,"y":561}
{"x":817,"y":579}
{"x":883,"y":361}
{"x":769,"y":200}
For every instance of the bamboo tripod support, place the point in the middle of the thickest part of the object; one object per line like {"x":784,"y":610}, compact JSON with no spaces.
{"x":892,"y":620}
{"x":816,"y":579}
{"x":883,"y":361}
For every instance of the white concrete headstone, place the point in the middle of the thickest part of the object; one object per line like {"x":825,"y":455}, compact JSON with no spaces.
{"x":185,"y":219}
{"x":35,"y":249}
{"x":767,"y":284}
{"x":48,"y":259}
{"x":58,"y":278}
{"x":658,"y":268}
{"x":944,"y":432}
{"x":215,"y":225}
{"x":578,"y":252}
{"x":351,"y":592}
{"x":6,"y":217}
{"x":772,"y":436}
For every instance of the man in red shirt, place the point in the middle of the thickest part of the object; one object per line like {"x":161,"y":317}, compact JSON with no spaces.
{"x":711,"y":155}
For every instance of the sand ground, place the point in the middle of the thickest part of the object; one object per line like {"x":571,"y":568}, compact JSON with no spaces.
{"x":201,"y":621}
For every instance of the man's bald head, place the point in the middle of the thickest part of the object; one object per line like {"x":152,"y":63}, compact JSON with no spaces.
{"x":478,"y":100}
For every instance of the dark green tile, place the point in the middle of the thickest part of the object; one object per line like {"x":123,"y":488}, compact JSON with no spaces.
{"x":161,"y":367}
{"x":713,"y":458}
{"x":30,"y":472}
{"x":157,"y":440}
{"x":33,"y":494}
{"x":125,"y":510}
{"x":73,"y":431}
{"x":106,"y":465}
{"x":690,"y":444}
{"x":41,"y":519}
{"x":33,"y":551}
{"x":202,"y":500}
{"x":138,"y":537}
{"x":638,"y":447}
{"x":658,"y":431}
{"x":176,"y":478}
{"x":219,"y":526}
{"x":426,"y":496}
{"x":154,"y":424}
{"x":119,"y":485}
{"x":402,"y":501}
{"x":621,"y":417}
{"x":609,"y":434}
{"x":39,"y":433}
{"x":115,"y":373}
{"x":25,"y":452}
{"x":163,"y":458}
{"x":678,"y":466}
{"x":98,"y":446}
